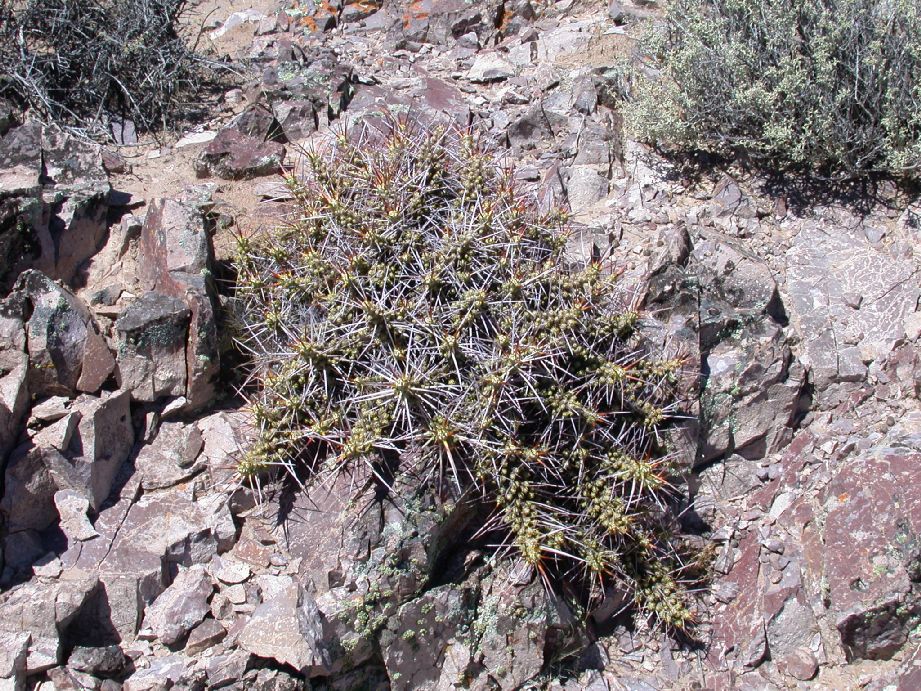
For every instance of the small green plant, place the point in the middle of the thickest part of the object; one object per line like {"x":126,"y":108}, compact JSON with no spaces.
{"x":418,"y":315}
{"x":833,"y":86}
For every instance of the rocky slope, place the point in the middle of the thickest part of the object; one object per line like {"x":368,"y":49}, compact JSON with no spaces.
{"x":131,"y":556}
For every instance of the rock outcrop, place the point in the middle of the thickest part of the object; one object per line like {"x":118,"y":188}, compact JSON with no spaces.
{"x":132,"y":556}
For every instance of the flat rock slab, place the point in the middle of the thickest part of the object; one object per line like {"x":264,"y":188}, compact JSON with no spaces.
{"x":288,"y":628}
{"x":844,"y":292}
{"x":872,"y":538}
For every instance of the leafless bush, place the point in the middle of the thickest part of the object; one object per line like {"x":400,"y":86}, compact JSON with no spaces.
{"x":86,"y":64}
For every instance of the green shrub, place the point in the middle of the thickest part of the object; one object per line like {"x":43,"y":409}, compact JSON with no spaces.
{"x":418,"y":307}
{"x":84,"y":63}
{"x":831,"y":85}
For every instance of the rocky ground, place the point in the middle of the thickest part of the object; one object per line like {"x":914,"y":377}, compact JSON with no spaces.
{"x":131,"y":556}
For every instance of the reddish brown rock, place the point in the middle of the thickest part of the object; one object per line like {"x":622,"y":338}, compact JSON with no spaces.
{"x":235,"y":155}
{"x":82,"y":452}
{"x":871,"y":535}
{"x":206,"y":635}
{"x":173,"y":260}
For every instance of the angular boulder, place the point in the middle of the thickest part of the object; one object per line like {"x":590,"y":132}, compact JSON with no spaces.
{"x":54,"y":202}
{"x":67,"y":353}
{"x":44,"y":610}
{"x":152,"y":334}
{"x":753,"y":383}
{"x":172,"y":457}
{"x":181,"y":607}
{"x":79,"y":201}
{"x":288,"y":628}
{"x":173,"y":260}
{"x":235,"y":155}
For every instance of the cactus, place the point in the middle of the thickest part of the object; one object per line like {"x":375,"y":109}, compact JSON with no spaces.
{"x":417,"y":301}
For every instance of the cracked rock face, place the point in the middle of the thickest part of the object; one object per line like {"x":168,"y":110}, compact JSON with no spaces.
{"x":850,"y":297}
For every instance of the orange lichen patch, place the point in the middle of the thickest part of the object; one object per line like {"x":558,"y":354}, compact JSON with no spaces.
{"x":368,"y":5}
{"x":415,"y":11}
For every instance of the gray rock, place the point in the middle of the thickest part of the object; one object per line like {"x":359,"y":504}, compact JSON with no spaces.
{"x":231,"y":571}
{"x":14,"y":648}
{"x":522,"y":628}
{"x":72,"y":508}
{"x":585,"y":185}
{"x":171,"y":457}
{"x":273,"y":680}
{"x":423,"y":646}
{"x":825,"y":266}
{"x":585,"y":96}
{"x":490,"y":67}
{"x":751,"y":394}
{"x":23,"y":549}
{"x":534,"y":128}
{"x":180,"y":607}
{"x":736,"y":288}
{"x":616,"y":12}
{"x":101,"y":661}
{"x":174,"y":671}
{"x":288,"y":628}
{"x":50,"y":410}
{"x":152,"y":336}
{"x":66,"y":351}
{"x":206,"y":635}
{"x":224,"y":434}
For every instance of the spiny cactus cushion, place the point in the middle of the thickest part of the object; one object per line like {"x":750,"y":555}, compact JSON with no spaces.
{"x":417,"y":301}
